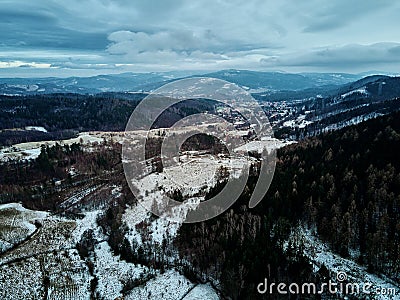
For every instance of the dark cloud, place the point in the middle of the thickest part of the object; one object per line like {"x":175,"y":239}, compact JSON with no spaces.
{"x":26,"y":66}
{"x":40,"y":29}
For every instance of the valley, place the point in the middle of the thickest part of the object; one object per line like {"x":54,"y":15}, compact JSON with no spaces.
{"x":72,"y":229}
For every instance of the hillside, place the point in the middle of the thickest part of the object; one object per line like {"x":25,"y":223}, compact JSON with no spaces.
{"x":344,"y":186}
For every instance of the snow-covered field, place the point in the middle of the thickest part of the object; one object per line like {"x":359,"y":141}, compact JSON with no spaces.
{"x":21,"y":281}
{"x":66,"y":274}
{"x":69,"y":276}
{"x":31,"y":150}
{"x":258,"y":146}
{"x":47,"y":264}
{"x":45,"y":261}
{"x":53,"y":235}
{"x":170,"y":285}
{"x":16,"y":224}
{"x":192,"y":174}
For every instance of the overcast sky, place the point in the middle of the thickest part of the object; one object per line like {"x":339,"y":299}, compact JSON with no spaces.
{"x":86,"y":37}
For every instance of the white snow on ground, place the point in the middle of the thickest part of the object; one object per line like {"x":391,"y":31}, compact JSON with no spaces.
{"x":170,"y":285}
{"x":31,"y":150}
{"x":21,"y":280}
{"x":46,"y":252}
{"x":320,"y":254}
{"x":304,"y":123}
{"x":18,"y":206}
{"x":352,"y":121}
{"x":69,"y":276}
{"x":16,"y":224}
{"x":202,"y":292}
{"x":258,"y":146}
{"x":290,"y":123}
{"x":300,"y":122}
{"x":112,"y":272}
{"x":133,"y":216}
{"x":88,"y":222}
{"x":27,"y":87}
{"x":159,"y":228}
{"x":116,"y":191}
{"x":13,"y":154}
{"x":362,"y":90}
{"x":31,"y":154}
{"x":338,"y":111}
{"x":202,"y":170}
{"x":195,"y":173}
{"x":36,"y":128}
{"x":162,"y":228}
{"x":54,"y":235}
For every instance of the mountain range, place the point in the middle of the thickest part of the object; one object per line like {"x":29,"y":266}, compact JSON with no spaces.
{"x":251,"y":80}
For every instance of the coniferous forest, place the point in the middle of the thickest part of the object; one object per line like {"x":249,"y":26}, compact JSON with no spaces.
{"x":344,"y":185}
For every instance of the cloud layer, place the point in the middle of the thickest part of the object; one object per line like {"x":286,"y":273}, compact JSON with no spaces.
{"x":94,"y":36}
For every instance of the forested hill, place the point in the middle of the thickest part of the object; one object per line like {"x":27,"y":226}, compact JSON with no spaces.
{"x":64,"y":115}
{"x":346,"y":184}
{"x":67,"y":111}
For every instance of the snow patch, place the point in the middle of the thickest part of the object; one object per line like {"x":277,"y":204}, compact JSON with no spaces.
{"x":170,"y":285}
{"x":201,"y":292}
{"x":36,"y":128}
{"x":362,"y":91}
{"x":113,"y":273}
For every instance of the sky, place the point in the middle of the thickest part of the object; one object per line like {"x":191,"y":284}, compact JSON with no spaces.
{"x":88,"y":37}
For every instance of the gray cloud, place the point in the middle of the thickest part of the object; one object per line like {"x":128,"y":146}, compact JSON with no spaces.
{"x":142,"y":35}
{"x":350,"y":57}
{"x":80,"y":66}
{"x":28,"y":26}
{"x":339,"y":14}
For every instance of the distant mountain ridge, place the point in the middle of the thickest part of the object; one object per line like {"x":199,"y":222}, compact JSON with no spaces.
{"x":82,"y":85}
{"x":283,"y":81}
{"x":251,"y":80}
{"x":378,"y":87}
